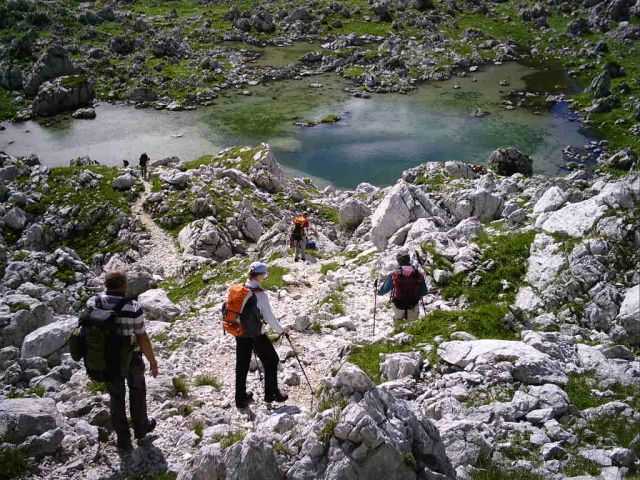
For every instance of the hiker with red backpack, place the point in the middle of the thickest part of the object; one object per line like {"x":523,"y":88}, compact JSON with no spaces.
{"x":407,"y":286}
{"x":246,"y":309}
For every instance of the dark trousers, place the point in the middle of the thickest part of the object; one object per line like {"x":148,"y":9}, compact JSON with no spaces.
{"x":267,"y":355}
{"x":137,"y":400}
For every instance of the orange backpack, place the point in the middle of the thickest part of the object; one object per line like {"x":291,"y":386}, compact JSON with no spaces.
{"x":298,"y":225}
{"x":232,"y":309}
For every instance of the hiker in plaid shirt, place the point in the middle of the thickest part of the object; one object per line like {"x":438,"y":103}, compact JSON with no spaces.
{"x":129,"y":323}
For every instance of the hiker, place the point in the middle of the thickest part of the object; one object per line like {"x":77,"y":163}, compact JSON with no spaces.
{"x":144,"y":160}
{"x":256,"y":311}
{"x":300,"y":233}
{"x":125,"y":163}
{"x":129,"y":325}
{"x":407,"y":286}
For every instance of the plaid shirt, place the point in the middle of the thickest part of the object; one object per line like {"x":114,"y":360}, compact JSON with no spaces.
{"x":130,"y":319}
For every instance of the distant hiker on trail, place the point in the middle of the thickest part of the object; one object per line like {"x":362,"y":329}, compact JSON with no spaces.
{"x":407,"y":286}
{"x":125,"y":163}
{"x":144,"y":160}
{"x":244,"y":312}
{"x":300,"y":233}
{"x":128,"y":322}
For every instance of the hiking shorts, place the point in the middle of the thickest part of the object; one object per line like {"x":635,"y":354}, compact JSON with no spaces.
{"x":411,"y":314}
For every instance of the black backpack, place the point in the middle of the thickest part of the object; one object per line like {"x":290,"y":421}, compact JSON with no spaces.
{"x":406,"y":289}
{"x":107,"y":354}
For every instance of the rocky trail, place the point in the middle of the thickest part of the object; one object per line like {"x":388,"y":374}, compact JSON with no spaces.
{"x":524,"y":365}
{"x":161,"y":253}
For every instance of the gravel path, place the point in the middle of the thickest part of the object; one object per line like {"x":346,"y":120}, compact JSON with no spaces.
{"x":163,"y":252}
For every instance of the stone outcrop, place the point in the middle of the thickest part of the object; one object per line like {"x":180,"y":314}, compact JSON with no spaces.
{"x":510,"y":160}
{"x":64,"y":93}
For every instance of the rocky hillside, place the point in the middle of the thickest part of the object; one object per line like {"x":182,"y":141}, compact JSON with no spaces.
{"x":524,"y":365}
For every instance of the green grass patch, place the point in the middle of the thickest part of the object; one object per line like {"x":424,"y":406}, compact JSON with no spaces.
{"x":232,"y":439}
{"x":13,"y":463}
{"x":326,"y":212}
{"x":510,"y":254}
{"x":353,"y":72}
{"x":7,"y":107}
{"x":326,"y":432}
{"x":275,"y":278}
{"x":324,"y":268}
{"x":96,"y":388}
{"x":336,"y":300}
{"x":331,"y":118}
{"x":66,"y":275}
{"x":73,"y":81}
{"x":180,"y":386}
{"x":489,"y":471}
{"x":198,"y":428}
{"x":205,"y":379}
{"x":578,"y":465}
{"x":367,"y":357}
{"x":621,"y":430}
{"x":16,"y":307}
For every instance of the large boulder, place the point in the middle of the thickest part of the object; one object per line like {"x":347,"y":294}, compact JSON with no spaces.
{"x":545,"y":262}
{"x":48,"y":340}
{"x":352,"y":213}
{"x":263,"y":21}
{"x":629,"y":315}
{"x":157,"y":305}
{"x":401,"y":205}
{"x":510,"y":160}
{"x":139,"y":278}
{"x":250,"y":227}
{"x":400,"y":365}
{"x":530,"y":365}
{"x":61,"y":94}
{"x":53,"y":63}
{"x":380,"y":437}
{"x":123,"y":182}
{"x":552,"y":199}
{"x":574,"y":219}
{"x":11,"y":77}
{"x":207,"y":464}
{"x":601,"y":85}
{"x":175,"y":178}
{"x":15,"y":219}
{"x":21,"y":418}
{"x":351,"y":379}
{"x":16,"y":326}
{"x":266,"y":173}
{"x":203,"y":238}
{"x":253,"y":458}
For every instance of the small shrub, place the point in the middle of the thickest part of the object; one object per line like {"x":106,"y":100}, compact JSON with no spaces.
{"x":12,"y":463}
{"x":579,"y":391}
{"x":96,"y":387}
{"x":326,"y":432}
{"x":16,"y":307}
{"x":66,"y":275}
{"x":198,"y":428}
{"x":210,"y":380}
{"x":329,"y":266}
{"x":316,"y":327}
{"x":280,"y":448}
{"x":180,"y":385}
{"x":232,"y":438}
{"x":336,"y":301}
{"x":409,"y":460}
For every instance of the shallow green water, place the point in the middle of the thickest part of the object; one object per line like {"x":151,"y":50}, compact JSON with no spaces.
{"x":376,"y":140}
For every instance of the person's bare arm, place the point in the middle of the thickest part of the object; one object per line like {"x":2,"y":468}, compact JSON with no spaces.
{"x":147,"y":350}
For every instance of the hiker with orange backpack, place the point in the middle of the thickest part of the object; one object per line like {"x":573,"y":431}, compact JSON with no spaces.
{"x":299,"y":234}
{"x":407,"y":286}
{"x":244,"y":312}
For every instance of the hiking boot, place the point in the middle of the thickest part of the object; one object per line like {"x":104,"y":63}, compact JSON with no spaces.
{"x":276,"y":397}
{"x":151,"y":426}
{"x":124,"y":443}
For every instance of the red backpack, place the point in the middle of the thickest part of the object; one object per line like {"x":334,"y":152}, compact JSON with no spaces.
{"x":406,"y":288}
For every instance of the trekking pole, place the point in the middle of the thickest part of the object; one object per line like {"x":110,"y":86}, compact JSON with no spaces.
{"x":295,"y":354}
{"x":424,"y":273}
{"x":375,"y":304}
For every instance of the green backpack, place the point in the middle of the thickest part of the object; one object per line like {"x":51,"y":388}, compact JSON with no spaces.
{"x":107,"y":354}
